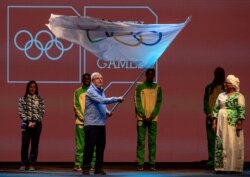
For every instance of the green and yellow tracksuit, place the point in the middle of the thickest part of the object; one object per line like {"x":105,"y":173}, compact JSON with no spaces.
{"x":79,"y":106}
{"x":148,"y":99}
{"x":209,"y":103}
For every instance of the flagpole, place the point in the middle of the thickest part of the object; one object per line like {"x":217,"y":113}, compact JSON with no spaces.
{"x":129,"y":89}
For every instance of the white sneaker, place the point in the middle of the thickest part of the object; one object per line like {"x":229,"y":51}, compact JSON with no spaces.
{"x":22,"y":168}
{"x":77,"y":168}
{"x":32,"y":168}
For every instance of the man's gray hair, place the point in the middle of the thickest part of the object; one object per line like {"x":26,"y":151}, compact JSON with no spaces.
{"x":94,"y":74}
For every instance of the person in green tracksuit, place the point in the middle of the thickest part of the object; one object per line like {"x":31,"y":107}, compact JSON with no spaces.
{"x":148,"y":99}
{"x":212,"y":91}
{"x":79,"y":106}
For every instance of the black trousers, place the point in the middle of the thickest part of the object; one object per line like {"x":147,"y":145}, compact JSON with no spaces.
{"x":95,"y":136}
{"x":30,"y":136}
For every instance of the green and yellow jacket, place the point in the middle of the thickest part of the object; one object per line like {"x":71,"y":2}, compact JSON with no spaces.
{"x":79,"y":104}
{"x":210,"y":98}
{"x":148,"y":99}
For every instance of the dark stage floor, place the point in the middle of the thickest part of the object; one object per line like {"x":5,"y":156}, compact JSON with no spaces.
{"x":196,"y":169}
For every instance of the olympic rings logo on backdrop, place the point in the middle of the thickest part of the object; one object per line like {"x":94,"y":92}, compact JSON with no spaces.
{"x":137,"y":37}
{"x":44,"y":48}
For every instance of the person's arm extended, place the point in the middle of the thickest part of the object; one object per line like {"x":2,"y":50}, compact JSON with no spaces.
{"x":102,"y":99}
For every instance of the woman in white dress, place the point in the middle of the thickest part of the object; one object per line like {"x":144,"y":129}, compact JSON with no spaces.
{"x":229,"y":113}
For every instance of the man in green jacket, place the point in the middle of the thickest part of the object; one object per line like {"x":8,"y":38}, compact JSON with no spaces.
{"x":79,"y":106}
{"x":212,"y":91}
{"x":148,"y":99}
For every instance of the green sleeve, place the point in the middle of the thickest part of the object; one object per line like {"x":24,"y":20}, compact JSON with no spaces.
{"x":216,"y":109}
{"x":241,"y":109}
{"x":241,"y":112}
{"x":138,"y":104}
{"x":206,"y":107}
{"x":156,"y":110}
{"x":77,"y":106}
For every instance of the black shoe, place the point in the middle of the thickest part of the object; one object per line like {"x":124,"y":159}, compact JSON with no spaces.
{"x":85,"y":171}
{"x":210,"y":166}
{"x":235,"y":172}
{"x":100,"y":172}
{"x":140,"y":168}
{"x":220,"y":172}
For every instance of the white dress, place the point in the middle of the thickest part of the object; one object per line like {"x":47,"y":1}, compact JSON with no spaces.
{"x":229,"y":143}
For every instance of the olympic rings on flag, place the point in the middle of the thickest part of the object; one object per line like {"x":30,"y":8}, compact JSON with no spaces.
{"x":93,"y":41}
{"x":149,"y":44}
{"x":138,"y":36}
{"x":132,"y":45}
{"x":39,"y":45}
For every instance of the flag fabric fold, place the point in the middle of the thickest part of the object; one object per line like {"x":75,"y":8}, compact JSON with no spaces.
{"x":141,"y":44}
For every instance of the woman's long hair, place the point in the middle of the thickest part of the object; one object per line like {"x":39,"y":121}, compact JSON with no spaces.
{"x":28,"y":86}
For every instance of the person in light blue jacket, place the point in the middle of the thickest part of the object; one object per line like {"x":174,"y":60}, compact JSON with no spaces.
{"x":96,"y":114}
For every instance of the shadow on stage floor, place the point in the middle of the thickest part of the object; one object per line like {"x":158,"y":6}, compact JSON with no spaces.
{"x":59,"y":169}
